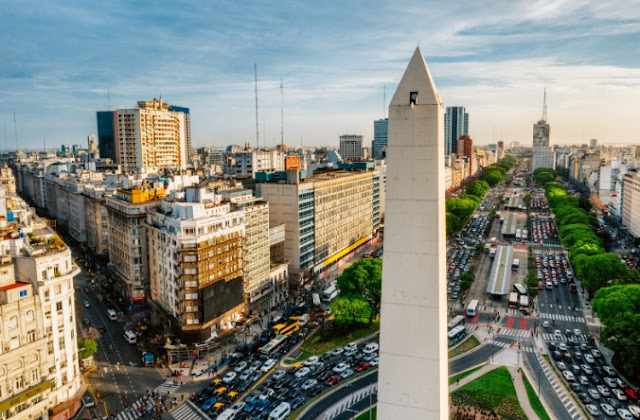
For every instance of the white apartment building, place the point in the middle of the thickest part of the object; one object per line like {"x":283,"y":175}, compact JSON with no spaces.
{"x":152,"y":136}
{"x":247,"y":163}
{"x":196,"y":251}
{"x":631,"y":202}
{"x":352,"y":147}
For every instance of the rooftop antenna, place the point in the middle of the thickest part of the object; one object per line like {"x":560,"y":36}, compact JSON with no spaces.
{"x":6,"y":139}
{"x":264,"y":133}
{"x":15,"y":127}
{"x":544,"y":106}
{"x":108,"y":100}
{"x":255,"y":73}
{"x":281,"y":115}
{"x":384,"y":101}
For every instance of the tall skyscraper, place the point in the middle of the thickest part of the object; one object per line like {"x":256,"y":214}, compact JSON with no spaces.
{"x":106,"y":136}
{"x":456,"y":124}
{"x":380,"y":130}
{"x":543,"y":155}
{"x":352,"y":146}
{"x":92,"y":144}
{"x":412,"y":381}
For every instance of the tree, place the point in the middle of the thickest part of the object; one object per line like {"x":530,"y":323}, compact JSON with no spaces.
{"x":527,"y":199}
{"x":87,"y":347}
{"x":531,"y":282}
{"x":493,"y":177}
{"x":619,"y":309}
{"x":349,"y":310}
{"x":543,"y":177}
{"x":454,"y":224}
{"x":477,"y":188}
{"x":466,"y":280}
{"x":598,"y":271}
{"x":363,"y":281}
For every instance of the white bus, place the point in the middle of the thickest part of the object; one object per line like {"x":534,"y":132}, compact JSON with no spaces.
{"x":281,"y":412}
{"x":456,"y":334}
{"x":516,"y":264}
{"x":472,"y":308}
{"x":330,"y":293}
{"x":458,"y":320}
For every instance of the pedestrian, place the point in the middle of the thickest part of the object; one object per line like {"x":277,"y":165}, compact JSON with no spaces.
{"x":457,"y":381}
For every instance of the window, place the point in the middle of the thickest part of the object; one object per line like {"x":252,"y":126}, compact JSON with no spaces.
{"x":61,"y":343}
{"x":29,"y":317}
{"x":18,"y":383}
{"x":46,"y":295}
{"x":58,"y":288}
{"x":31,"y":336}
{"x":59,"y":307}
{"x":13,"y":322}
{"x":49,"y":347}
{"x":23,"y":293}
{"x":34,"y":376}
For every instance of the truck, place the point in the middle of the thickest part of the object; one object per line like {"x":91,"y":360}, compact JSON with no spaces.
{"x":492,"y":252}
{"x":524,"y":302}
{"x":518,"y":234}
{"x":513,"y":300}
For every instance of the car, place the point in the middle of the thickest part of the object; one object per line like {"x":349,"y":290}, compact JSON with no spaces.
{"x":584,"y":347}
{"x":624,"y":414}
{"x":611,"y":383}
{"x":250,"y":406}
{"x":593,"y":393}
{"x":278,"y":374}
{"x":604,"y":391}
{"x":87,"y":321}
{"x":577,"y":332}
{"x":262,"y":405}
{"x":577,"y":355}
{"x":209,"y":403}
{"x":593,"y":410}
{"x":371,"y":347}
{"x":314,"y":391}
{"x":562,"y":346}
{"x":362,"y":366}
{"x":255,"y":376}
{"x":245,"y":375}
{"x":303,"y":372}
{"x":333,"y":380}
{"x":87,"y":304}
{"x":596,"y":353}
{"x":229,"y":377}
{"x":311,"y":361}
{"x":268,"y":364}
{"x":255,"y":365}
{"x":238,"y":407}
{"x":266,"y":394}
{"x":613,"y":403}
{"x":374,"y":362}
{"x":595,"y":379}
{"x":281,"y":383}
{"x":340,"y":367}
{"x":586,"y":369}
{"x":589,"y":358}
{"x":583,"y":380}
{"x":242,"y":386}
{"x":553,"y":347}
{"x":294,"y":392}
{"x":297,"y":402}
{"x":546,"y":324}
{"x":568,"y":375}
{"x":308,"y":384}
{"x":584,"y":397}
{"x":634,"y":410}
{"x":620,"y":395}
{"x":609,"y":371}
{"x":347,"y":373}
{"x":608,"y":410}
{"x":561,"y":366}
{"x":338,"y":351}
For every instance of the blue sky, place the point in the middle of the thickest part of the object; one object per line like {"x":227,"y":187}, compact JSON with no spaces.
{"x":334,"y":57}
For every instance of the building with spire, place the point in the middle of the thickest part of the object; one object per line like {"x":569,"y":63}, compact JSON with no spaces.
{"x":412,"y":381}
{"x":543,"y":154}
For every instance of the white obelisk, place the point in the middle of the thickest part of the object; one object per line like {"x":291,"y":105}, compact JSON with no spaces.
{"x":413,"y":373}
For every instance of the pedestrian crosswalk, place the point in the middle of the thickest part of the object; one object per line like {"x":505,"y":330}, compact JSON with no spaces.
{"x":560,"y":390}
{"x":168,"y":386}
{"x":558,"y":317}
{"x":514,"y":312}
{"x":136,"y":410}
{"x":562,"y":337}
{"x":187,"y":411}
{"x":504,"y":345}
{"x":511,"y":332}
{"x":470,"y":327}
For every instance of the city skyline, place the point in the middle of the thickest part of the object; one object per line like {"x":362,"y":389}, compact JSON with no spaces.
{"x":334,"y":64}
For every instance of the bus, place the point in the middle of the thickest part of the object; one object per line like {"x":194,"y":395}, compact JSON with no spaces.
{"x":525,"y":234}
{"x":274,"y":345}
{"x":330,"y":293}
{"x":281,"y":412}
{"x":516,"y":264}
{"x":524,"y":302}
{"x":520,"y":289}
{"x":458,"y":320}
{"x":492,"y":253}
{"x":513,"y":300}
{"x":472,"y":308}
{"x":518,"y":234}
{"x":456,"y":334}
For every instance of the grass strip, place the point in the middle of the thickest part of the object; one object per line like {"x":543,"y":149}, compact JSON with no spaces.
{"x":535,"y":401}
{"x":467,"y":345}
{"x":461,"y":375}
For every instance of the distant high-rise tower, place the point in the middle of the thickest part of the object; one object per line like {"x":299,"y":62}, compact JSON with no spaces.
{"x":412,"y":381}
{"x":543,"y":155}
{"x":106,"y":136}
{"x":593,"y":143}
{"x":380,"y":130}
{"x":456,"y":124}
{"x":352,"y":147}
{"x":92,"y":144}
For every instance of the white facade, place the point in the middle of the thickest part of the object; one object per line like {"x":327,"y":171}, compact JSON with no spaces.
{"x":413,"y":372}
{"x":543,"y":154}
{"x":247,"y":163}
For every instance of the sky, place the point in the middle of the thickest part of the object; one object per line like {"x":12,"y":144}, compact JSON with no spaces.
{"x":60,"y":62}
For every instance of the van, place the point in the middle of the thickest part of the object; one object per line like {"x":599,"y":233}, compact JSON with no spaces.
{"x":370,"y":348}
{"x":130,"y":337}
{"x":281,"y":412}
{"x":227,"y":414}
{"x":112,"y":314}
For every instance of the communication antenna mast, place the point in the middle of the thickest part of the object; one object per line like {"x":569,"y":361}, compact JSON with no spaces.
{"x":281,"y":115}
{"x":255,"y":73}
{"x":544,"y":106}
{"x":108,"y":100}
{"x":15,"y":127}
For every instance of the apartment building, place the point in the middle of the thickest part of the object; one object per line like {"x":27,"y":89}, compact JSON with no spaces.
{"x":196,"y":261}
{"x":326,"y":215}
{"x":96,"y":216}
{"x":126,"y":213}
{"x":352,"y":147}
{"x":7,"y":180}
{"x":151,"y":136}
{"x":631,"y":202}
{"x":248,"y":162}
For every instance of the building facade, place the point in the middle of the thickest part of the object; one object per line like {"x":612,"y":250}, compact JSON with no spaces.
{"x":456,"y":124}
{"x":631,"y":202}
{"x":380,"y":131}
{"x":543,"y":155}
{"x":352,"y":147}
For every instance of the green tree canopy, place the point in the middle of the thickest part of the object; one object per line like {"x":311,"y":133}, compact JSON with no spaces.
{"x":598,"y":271}
{"x":477,"y":188}
{"x":87,"y":347}
{"x":527,"y":199}
{"x":543,"y":177}
{"x":619,"y":309}
{"x":454,"y":224}
{"x":349,"y":310}
{"x":363,"y":281}
{"x":493,"y":177}
{"x":466,"y":280}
